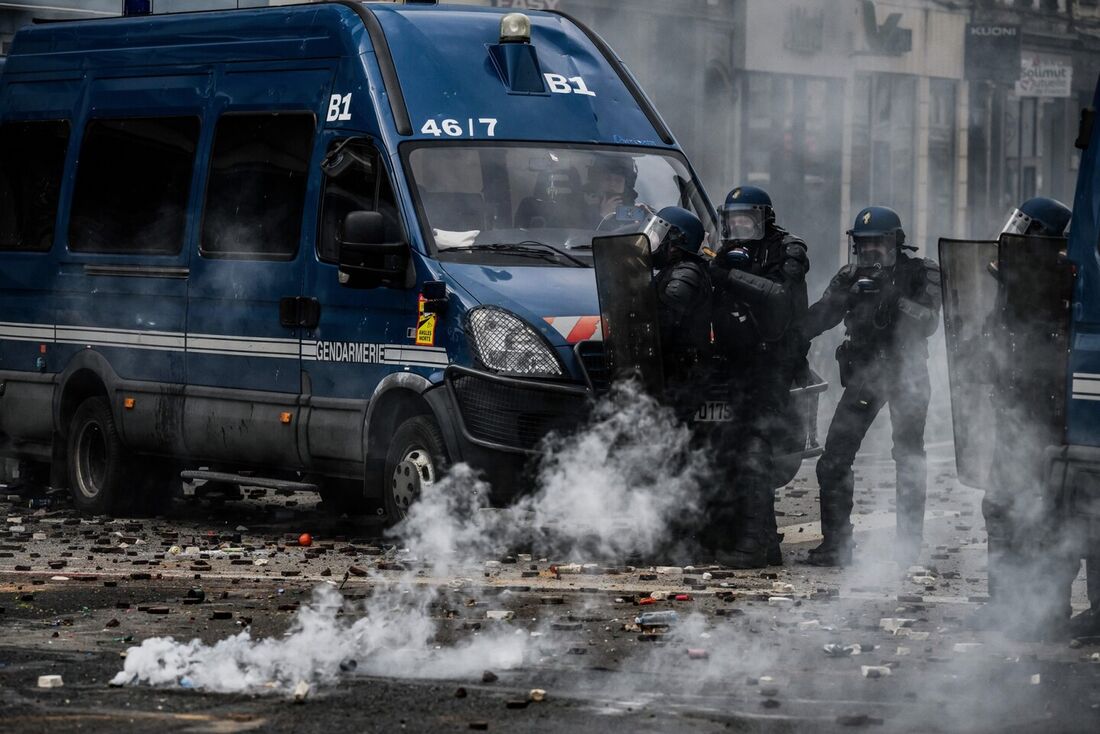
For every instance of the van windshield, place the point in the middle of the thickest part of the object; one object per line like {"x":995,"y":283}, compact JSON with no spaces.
{"x":545,"y":204}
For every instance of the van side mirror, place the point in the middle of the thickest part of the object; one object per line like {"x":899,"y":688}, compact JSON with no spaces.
{"x":366,"y":260}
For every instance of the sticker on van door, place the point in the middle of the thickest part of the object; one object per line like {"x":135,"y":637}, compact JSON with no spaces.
{"x":425,"y":326}
{"x":339,"y":108}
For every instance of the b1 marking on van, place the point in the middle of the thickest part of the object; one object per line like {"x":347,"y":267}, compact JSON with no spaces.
{"x":339,"y":108}
{"x":560,"y":84}
{"x":453,"y":129}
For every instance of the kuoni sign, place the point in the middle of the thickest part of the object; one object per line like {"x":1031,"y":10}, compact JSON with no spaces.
{"x":1044,"y":75}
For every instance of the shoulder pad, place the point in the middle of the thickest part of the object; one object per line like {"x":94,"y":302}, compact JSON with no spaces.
{"x":931,"y":270}
{"x":797,"y":251}
{"x":790,"y":239}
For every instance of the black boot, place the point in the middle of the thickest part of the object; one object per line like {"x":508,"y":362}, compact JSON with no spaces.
{"x":746,"y":555}
{"x":1085,"y":624}
{"x":775,"y":551}
{"x":835,"y":551}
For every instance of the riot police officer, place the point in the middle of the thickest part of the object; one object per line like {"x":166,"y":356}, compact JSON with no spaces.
{"x":683,"y":299}
{"x":1030,"y":549}
{"x":760,"y":302}
{"x":889,"y":302}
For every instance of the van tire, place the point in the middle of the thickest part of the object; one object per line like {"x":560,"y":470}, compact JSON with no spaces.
{"x":417,"y":456}
{"x":100,"y":477}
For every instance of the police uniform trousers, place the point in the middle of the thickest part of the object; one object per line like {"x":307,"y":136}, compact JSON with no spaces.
{"x":1033,"y":552}
{"x":906,"y":391}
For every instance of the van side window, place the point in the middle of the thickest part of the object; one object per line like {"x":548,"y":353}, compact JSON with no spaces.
{"x":358,"y":183}
{"x":32,"y":163}
{"x":256,"y":193}
{"x":132,"y":185}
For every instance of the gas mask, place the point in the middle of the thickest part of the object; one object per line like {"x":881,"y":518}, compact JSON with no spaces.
{"x":874,"y":252}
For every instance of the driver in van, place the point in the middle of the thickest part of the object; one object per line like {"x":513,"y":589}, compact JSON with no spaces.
{"x":610,"y":185}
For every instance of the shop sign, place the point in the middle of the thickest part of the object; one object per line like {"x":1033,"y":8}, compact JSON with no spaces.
{"x":1045,"y":75}
{"x":529,"y":4}
{"x":993,"y":52}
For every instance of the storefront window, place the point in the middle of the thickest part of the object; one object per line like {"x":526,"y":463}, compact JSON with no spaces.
{"x":941,"y":161}
{"x":791,"y":146}
{"x":884,"y":144}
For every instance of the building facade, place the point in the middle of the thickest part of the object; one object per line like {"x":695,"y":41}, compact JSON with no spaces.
{"x":950,"y":112}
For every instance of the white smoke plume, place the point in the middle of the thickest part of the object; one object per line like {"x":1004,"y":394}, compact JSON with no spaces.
{"x":612,"y":489}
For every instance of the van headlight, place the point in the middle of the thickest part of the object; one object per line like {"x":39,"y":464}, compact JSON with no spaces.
{"x":504,"y":342}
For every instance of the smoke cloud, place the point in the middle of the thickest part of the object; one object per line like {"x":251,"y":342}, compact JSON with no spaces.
{"x":612,"y":489}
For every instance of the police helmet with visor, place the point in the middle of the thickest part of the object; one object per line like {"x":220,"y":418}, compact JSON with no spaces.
{"x":1039,"y":216}
{"x":746,"y":214}
{"x":672,"y":233}
{"x":875,"y":238}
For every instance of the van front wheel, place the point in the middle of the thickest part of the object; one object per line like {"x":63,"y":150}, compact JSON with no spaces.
{"x":416,"y":460}
{"x":98,"y":475}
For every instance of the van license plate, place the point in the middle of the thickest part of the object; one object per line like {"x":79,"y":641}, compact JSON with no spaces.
{"x":714,"y":411}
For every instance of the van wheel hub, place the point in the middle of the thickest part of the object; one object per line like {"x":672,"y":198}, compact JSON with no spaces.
{"x":413,"y":473}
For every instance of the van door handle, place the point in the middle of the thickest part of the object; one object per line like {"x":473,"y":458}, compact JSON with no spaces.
{"x":299,"y":312}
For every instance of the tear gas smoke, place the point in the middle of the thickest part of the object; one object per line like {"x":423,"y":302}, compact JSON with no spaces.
{"x":614,"y":488}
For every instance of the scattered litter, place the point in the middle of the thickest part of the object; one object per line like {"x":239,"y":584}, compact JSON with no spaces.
{"x":501,"y":615}
{"x":301,"y":691}
{"x":537,"y":695}
{"x":1036,"y":679}
{"x":657,"y":619}
{"x":697,"y":653}
{"x":305,"y":540}
{"x":835,"y":650}
{"x":50,"y":681}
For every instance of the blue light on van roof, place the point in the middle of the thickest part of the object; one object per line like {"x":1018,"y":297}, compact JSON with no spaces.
{"x":137,"y":7}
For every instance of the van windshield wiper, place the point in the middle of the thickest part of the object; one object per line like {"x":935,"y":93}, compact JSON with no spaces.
{"x":528,"y":248}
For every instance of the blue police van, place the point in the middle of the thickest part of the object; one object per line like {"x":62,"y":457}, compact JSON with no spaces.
{"x":333,"y":246}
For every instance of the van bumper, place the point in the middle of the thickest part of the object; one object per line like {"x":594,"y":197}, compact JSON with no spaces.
{"x":495,"y":423}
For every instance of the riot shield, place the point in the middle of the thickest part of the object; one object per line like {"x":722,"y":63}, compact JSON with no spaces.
{"x":1037,"y":281}
{"x":969,"y":302}
{"x":628,"y":309}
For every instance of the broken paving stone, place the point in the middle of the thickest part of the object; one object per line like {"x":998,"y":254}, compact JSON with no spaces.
{"x":518,"y":703}
{"x":356,"y":571}
{"x":565,"y":625}
{"x":770,"y":703}
{"x":489,"y":677}
{"x":460,"y":692}
{"x":221,"y":614}
{"x":500,"y":615}
{"x":965,"y":647}
{"x":301,"y":691}
{"x":50,"y":681}
{"x":835,"y":650}
{"x":875,"y":671}
{"x":157,"y":610}
{"x":537,"y":695}
{"x":893,"y":624}
{"x":479,"y":725}
{"x":112,"y":623}
{"x":858,"y":720}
